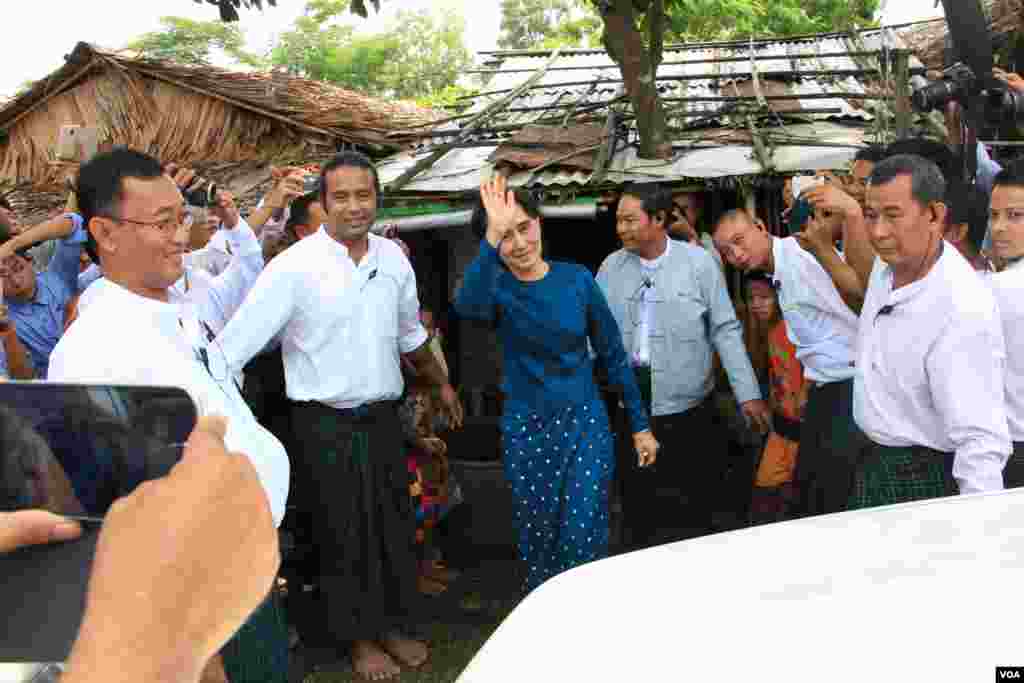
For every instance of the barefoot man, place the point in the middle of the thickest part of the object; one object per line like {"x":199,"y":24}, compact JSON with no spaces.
{"x":346,"y":307}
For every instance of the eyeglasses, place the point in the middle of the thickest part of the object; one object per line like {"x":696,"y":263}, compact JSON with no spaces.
{"x":184,"y":219}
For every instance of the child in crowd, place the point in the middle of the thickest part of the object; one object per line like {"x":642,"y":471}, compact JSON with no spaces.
{"x":775,"y":355}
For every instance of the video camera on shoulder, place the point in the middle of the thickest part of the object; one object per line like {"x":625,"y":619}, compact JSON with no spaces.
{"x":984,"y":98}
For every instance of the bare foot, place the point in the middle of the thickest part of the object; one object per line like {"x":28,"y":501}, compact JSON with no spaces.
{"x":372,"y":663}
{"x":430,"y":586}
{"x":411,"y":653}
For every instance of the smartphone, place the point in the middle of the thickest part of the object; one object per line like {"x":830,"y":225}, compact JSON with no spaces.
{"x":73,"y":450}
{"x":77,"y":143}
{"x":799,"y":215}
{"x":311,"y":183}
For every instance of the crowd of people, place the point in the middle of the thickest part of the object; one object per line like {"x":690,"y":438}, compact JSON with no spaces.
{"x":877,"y":353}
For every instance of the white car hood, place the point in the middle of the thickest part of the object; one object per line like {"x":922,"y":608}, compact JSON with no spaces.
{"x":926,"y":591}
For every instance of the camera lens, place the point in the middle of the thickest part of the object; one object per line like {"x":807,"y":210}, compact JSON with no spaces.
{"x":933,"y":96}
{"x":1005,"y":107}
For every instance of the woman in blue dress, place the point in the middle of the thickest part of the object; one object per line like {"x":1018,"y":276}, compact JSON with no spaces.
{"x":558,"y":448}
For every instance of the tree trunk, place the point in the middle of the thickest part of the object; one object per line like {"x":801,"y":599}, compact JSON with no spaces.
{"x":639,"y":65}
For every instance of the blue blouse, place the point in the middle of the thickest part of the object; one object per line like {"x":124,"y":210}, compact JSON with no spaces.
{"x":544,"y":328}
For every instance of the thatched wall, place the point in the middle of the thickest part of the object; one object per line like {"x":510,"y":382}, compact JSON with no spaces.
{"x":194,"y":116}
{"x":171,"y":123}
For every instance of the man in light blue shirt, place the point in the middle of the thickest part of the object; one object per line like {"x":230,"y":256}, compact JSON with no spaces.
{"x":37,"y":302}
{"x":672,"y":305}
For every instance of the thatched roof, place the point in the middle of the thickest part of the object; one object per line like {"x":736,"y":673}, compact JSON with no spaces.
{"x":195,"y":116}
{"x":928,"y":38}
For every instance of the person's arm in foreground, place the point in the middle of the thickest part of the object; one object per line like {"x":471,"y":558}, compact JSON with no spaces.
{"x":180,"y":565}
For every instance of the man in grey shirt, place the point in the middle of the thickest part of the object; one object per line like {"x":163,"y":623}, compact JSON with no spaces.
{"x":674,"y":310}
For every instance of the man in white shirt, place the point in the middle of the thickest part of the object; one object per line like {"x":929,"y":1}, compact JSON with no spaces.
{"x":347,"y":305}
{"x":137,"y":331}
{"x":929,"y":391}
{"x":823,"y":327}
{"x":1007,"y":226}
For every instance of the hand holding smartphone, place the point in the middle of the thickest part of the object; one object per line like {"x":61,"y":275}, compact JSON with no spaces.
{"x":73,"y":450}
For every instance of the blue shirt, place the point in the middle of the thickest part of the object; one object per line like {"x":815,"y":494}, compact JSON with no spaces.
{"x":545,"y":327}
{"x":40,"y":322}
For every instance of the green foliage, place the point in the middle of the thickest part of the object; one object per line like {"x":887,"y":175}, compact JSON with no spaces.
{"x":431,"y":54}
{"x":421,"y":55}
{"x":445,"y":98}
{"x":187,"y":41}
{"x":533,"y":24}
{"x":690,"y":20}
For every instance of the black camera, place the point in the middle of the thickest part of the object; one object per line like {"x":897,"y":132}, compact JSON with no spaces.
{"x":985,"y":100}
{"x":202,"y":194}
{"x":1000,"y":104}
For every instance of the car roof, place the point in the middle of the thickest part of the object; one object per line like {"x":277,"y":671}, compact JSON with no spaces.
{"x":920,"y":591}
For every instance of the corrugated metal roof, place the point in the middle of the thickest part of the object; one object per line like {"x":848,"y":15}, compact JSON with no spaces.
{"x":601,"y":76}
{"x":461,"y":170}
{"x":799,"y":138}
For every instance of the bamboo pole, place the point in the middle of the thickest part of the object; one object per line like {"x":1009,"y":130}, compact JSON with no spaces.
{"x":491,"y":109}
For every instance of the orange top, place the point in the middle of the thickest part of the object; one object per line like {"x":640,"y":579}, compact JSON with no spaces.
{"x":786,"y":373}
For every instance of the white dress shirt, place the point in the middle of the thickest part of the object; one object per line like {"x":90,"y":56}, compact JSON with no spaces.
{"x":345,"y":326}
{"x":123,"y":338}
{"x":1008,"y":287}
{"x":213,"y":299}
{"x":215,"y":257}
{"x":819,"y":323}
{"x":930,"y":369}
{"x":642,"y":340}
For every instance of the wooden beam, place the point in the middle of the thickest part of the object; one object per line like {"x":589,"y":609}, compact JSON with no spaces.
{"x":604,"y":155}
{"x":901,"y":86}
{"x":492,"y":109}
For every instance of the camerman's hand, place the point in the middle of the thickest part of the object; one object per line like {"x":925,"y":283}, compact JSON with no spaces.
{"x":1011,"y":79}
{"x":226,"y":210}
{"x":180,"y":565}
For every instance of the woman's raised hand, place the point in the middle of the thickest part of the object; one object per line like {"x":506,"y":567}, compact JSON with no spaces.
{"x":500,"y":205}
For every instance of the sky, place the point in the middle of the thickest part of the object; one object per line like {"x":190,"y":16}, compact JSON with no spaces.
{"x":46,"y":30}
